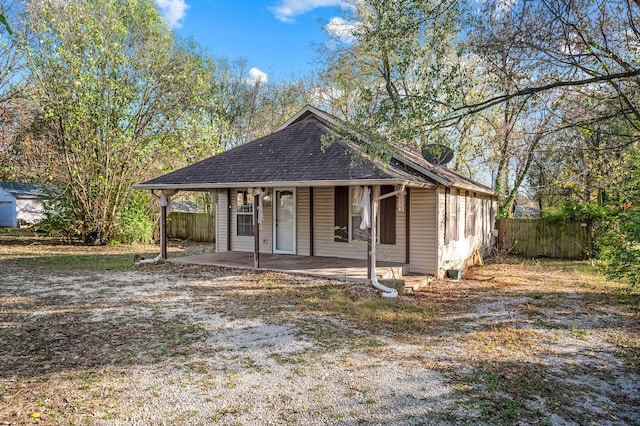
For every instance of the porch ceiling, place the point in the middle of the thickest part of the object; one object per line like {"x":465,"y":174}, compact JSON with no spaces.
{"x":325,"y":267}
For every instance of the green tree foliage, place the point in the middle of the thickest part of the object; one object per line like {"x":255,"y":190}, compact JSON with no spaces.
{"x":619,"y":244}
{"x":397,"y":68}
{"x":117,"y":96}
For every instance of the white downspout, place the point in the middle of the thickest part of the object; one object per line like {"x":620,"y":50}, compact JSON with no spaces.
{"x":387,"y":292}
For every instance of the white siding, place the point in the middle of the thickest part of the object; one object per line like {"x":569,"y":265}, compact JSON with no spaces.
{"x":29,"y":210}
{"x":222,"y":210}
{"x":424,"y":231}
{"x":303,"y":222}
{"x":460,"y":253}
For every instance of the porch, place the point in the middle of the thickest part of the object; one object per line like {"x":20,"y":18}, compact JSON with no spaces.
{"x":318,"y":266}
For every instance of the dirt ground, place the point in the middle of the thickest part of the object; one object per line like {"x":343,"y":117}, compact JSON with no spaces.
{"x":87,"y":338}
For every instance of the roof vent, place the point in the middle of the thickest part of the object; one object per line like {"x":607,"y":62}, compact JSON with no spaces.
{"x":437,"y":154}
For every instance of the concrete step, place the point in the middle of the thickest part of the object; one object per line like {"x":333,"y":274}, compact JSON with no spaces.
{"x":414,"y":282}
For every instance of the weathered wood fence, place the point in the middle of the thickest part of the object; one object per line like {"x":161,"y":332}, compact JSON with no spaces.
{"x":192,"y":226}
{"x":542,"y":238}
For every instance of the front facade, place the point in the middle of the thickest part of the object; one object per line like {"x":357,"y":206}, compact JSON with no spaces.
{"x":439,"y":228}
{"x":302,"y":193}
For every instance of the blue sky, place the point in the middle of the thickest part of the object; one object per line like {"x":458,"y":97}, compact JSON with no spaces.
{"x":276,"y":37}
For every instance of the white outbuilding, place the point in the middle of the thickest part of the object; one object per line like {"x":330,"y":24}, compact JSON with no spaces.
{"x":22,"y":203}
{"x":7,"y":209}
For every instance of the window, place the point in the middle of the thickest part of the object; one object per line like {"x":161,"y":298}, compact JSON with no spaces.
{"x":356,"y":219}
{"x":348,"y":216}
{"x":470,"y":215}
{"x":244,"y":214}
{"x":452,"y":209}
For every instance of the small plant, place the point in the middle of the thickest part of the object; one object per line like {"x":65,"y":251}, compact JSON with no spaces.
{"x":578,"y":332}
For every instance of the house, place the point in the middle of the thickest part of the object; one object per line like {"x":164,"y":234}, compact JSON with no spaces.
{"x":22,"y":203}
{"x":309,"y":190}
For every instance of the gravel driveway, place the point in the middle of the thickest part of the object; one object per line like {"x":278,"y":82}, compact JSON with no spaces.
{"x":170,"y":344}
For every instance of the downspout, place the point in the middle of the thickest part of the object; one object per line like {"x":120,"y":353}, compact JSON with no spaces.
{"x":387,"y":292}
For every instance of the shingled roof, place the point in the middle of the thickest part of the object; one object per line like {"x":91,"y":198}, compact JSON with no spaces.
{"x":305,"y":151}
{"x":28,"y":190}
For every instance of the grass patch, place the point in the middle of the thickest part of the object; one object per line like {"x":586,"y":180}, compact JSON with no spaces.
{"x":586,"y":267}
{"x":69,"y":263}
{"x":399,"y":316}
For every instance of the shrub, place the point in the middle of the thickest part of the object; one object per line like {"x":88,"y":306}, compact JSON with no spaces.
{"x":134,"y":223}
{"x":576,"y":211}
{"x":618,"y":239}
{"x":59,"y":219}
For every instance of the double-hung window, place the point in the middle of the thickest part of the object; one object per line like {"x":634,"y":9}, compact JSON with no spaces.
{"x":244,"y":214}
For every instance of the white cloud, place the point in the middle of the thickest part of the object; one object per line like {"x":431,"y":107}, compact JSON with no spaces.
{"x":257,"y":77}
{"x":286,"y":10}
{"x":173,"y":11}
{"x":342,"y":29}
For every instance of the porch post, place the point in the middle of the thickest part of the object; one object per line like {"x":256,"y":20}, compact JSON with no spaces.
{"x":369,"y":234}
{"x":163,"y":232}
{"x":256,"y":233}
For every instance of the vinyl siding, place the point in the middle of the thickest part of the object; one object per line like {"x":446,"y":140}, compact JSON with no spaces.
{"x":424,"y":231}
{"x":246,"y":243}
{"x":325,"y":245}
{"x":222,"y":210}
{"x":460,"y":253}
{"x":303,"y":222}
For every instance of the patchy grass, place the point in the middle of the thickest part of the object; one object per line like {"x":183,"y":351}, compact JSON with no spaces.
{"x":26,"y":248}
{"x":85,"y":338}
{"x":586,"y":267}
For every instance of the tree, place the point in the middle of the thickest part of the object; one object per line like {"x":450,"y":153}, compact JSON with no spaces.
{"x":115,"y":93}
{"x":398,"y":69}
{"x":579,"y":46}
{"x":12,"y":107}
{"x":4,"y":21}
{"x":253,"y":107}
{"x":509,"y":133}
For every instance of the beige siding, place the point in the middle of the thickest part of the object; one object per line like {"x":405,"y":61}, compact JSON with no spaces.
{"x":323,"y":229}
{"x":302,"y":222}
{"x":325,"y":245}
{"x":222,"y":210}
{"x":266,"y":229}
{"x":423,"y":232}
{"x":246,"y":243}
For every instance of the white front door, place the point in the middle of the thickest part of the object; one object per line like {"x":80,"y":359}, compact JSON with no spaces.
{"x":284,"y":211}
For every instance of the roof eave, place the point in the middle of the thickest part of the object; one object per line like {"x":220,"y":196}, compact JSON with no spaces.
{"x":281,"y":184}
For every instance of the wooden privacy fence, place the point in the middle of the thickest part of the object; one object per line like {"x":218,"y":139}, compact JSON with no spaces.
{"x":542,"y":238}
{"x":192,"y":226}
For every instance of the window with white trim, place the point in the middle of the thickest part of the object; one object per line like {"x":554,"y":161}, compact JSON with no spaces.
{"x":244,"y":214}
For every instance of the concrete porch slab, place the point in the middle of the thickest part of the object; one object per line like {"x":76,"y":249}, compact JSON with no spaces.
{"x":325,"y":267}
